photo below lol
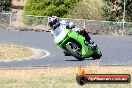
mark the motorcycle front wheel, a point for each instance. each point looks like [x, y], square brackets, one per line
[73, 52]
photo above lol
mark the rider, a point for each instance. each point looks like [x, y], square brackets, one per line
[55, 24]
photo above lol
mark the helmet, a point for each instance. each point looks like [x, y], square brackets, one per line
[53, 21]
[71, 25]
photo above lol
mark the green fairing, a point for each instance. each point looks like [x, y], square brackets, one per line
[67, 36]
[86, 51]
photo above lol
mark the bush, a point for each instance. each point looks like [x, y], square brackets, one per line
[49, 7]
[58, 8]
[113, 10]
[5, 5]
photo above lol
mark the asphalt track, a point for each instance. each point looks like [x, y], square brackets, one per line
[116, 50]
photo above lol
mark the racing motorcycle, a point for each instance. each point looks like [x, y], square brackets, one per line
[74, 43]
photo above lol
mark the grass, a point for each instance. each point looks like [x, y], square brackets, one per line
[57, 77]
[14, 52]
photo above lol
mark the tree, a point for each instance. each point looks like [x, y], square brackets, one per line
[49, 7]
[5, 5]
[113, 10]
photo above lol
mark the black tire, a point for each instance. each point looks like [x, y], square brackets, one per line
[81, 80]
[73, 53]
[97, 54]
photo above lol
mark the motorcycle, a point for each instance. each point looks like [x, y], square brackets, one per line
[74, 43]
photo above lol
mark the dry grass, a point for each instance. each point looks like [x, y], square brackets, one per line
[18, 24]
[19, 2]
[94, 8]
[57, 77]
[14, 51]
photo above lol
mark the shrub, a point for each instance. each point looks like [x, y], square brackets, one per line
[113, 10]
[58, 8]
[5, 5]
[49, 7]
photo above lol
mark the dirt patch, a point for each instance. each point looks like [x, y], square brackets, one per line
[9, 52]
[14, 51]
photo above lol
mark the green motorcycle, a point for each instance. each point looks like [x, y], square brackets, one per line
[74, 43]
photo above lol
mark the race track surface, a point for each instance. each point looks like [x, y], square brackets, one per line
[116, 50]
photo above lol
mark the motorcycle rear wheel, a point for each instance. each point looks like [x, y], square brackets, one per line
[97, 54]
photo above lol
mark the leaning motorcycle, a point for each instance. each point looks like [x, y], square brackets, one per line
[74, 43]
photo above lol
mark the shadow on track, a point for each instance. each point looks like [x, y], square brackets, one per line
[83, 60]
